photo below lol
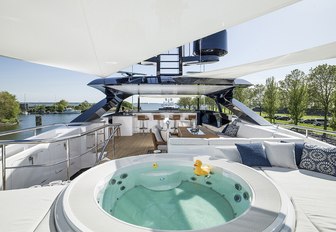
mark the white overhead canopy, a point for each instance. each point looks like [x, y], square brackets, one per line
[323, 52]
[105, 36]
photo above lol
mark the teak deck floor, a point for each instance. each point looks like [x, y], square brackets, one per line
[131, 145]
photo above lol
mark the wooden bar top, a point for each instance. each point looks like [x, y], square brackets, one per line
[184, 133]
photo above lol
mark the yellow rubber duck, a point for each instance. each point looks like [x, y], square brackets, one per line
[201, 170]
[155, 165]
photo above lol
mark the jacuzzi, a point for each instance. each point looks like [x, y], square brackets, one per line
[162, 193]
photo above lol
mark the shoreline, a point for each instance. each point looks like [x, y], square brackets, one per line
[2, 124]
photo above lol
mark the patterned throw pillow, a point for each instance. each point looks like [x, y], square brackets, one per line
[231, 130]
[319, 159]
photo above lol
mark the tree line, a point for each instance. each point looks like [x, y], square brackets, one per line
[296, 93]
[59, 107]
[10, 108]
[190, 103]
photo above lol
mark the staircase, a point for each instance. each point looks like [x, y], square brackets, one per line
[169, 64]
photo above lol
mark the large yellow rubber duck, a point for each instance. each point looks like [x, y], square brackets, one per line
[201, 170]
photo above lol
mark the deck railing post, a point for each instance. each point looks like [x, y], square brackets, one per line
[3, 156]
[105, 130]
[68, 158]
[115, 128]
[96, 144]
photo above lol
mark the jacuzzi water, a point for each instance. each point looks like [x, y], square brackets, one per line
[171, 197]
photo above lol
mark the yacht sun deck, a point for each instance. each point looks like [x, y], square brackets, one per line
[261, 177]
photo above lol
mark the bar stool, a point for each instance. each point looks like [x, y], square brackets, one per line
[174, 117]
[159, 118]
[142, 119]
[190, 118]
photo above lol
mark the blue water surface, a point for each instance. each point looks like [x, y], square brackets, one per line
[27, 121]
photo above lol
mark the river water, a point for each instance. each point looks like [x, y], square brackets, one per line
[27, 121]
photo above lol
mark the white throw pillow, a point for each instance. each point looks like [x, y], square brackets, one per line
[281, 154]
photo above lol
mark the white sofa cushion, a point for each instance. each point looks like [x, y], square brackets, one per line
[281, 154]
[24, 209]
[188, 141]
[213, 128]
[230, 153]
[227, 141]
[188, 146]
[314, 193]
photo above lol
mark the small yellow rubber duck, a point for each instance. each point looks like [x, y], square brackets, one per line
[201, 170]
[155, 165]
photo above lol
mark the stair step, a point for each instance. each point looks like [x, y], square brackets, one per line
[170, 68]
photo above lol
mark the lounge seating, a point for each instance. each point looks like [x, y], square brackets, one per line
[246, 134]
[158, 141]
[245, 131]
[190, 145]
[313, 194]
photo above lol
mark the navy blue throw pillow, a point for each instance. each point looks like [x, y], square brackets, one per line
[298, 151]
[253, 154]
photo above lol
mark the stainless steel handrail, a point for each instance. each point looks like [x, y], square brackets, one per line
[101, 156]
[4, 143]
[34, 141]
[41, 127]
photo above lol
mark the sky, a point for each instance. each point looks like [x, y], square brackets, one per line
[306, 24]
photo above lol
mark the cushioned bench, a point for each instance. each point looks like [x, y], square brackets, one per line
[196, 145]
[313, 194]
[245, 130]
